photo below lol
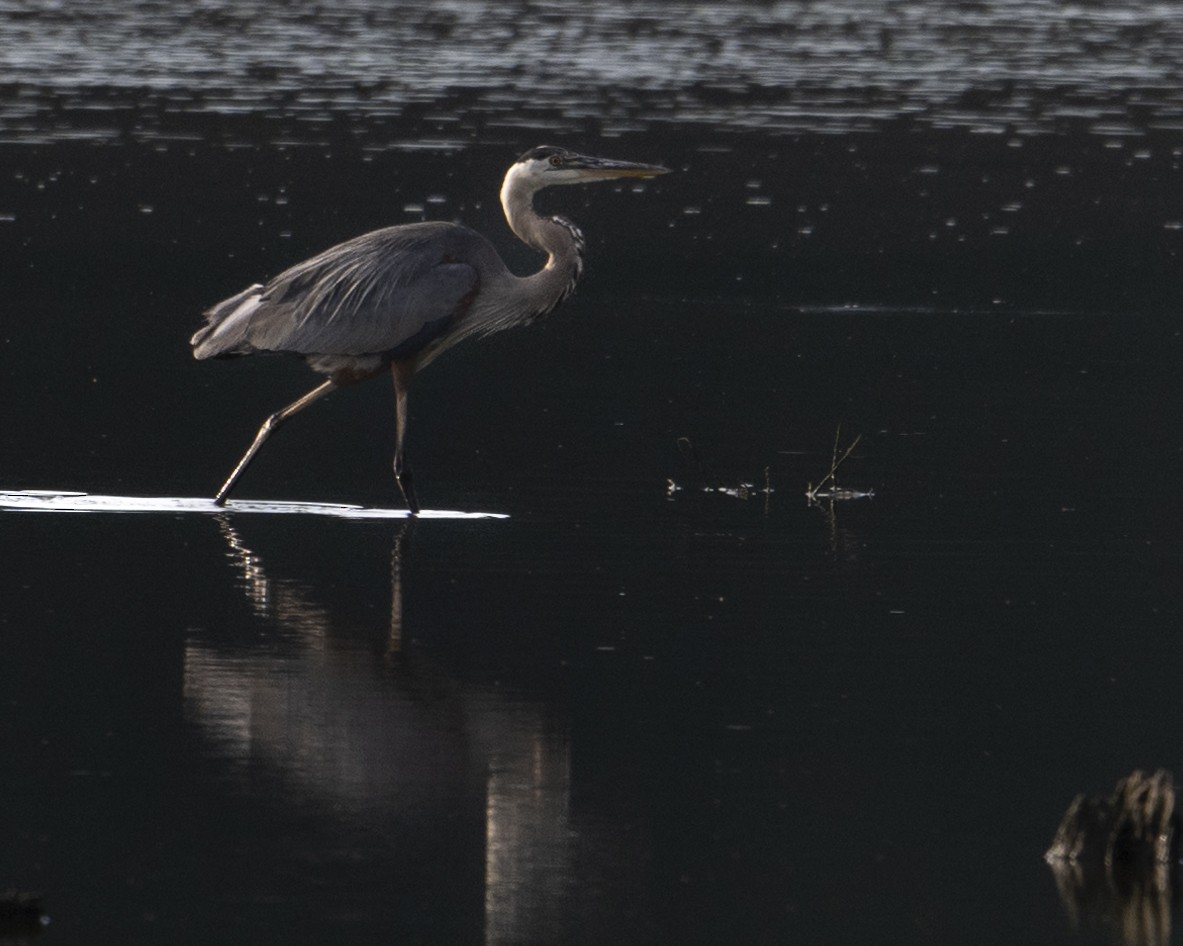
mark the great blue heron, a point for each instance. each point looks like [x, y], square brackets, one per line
[397, 298]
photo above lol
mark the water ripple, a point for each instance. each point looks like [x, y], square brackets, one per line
[1023, 66]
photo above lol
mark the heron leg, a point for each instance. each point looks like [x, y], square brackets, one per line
[269, 425]
[402, 372]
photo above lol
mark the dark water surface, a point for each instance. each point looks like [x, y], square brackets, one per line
[634, 711]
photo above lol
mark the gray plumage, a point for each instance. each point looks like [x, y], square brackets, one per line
[381, 296]
[396, 298]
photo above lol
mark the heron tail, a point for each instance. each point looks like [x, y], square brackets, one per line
[225, 331]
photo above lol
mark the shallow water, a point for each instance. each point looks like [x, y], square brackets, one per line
[666, 699]
[42, 500]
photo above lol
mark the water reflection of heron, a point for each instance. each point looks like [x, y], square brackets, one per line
[396, 298]
[387, 737]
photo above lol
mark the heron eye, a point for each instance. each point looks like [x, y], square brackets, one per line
[556, 161]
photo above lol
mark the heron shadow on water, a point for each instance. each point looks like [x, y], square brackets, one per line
[395, 299]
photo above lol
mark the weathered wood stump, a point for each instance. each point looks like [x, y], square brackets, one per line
[1115, 858]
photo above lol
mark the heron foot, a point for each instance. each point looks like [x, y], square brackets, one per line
[406, 486]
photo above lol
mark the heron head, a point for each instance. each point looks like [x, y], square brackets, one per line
[548, 164]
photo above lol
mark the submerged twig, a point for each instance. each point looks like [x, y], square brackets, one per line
[814, 493]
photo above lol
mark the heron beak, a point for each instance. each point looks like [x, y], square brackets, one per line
[603, 169]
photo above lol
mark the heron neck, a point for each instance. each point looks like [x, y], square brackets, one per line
[557, 237]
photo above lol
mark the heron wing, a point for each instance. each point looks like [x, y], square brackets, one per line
[391, 291]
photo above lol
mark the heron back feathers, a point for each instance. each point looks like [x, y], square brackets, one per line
[391, 293]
